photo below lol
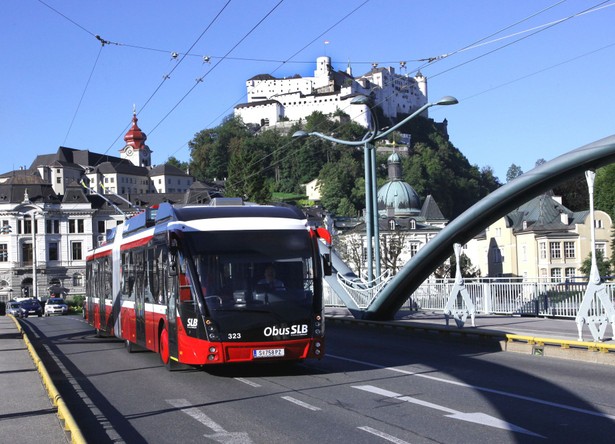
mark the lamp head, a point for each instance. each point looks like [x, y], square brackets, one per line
[300, 135]
[447, 100]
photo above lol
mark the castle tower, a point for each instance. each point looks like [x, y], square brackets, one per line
[136, 150]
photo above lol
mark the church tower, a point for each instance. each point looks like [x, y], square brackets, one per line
[136, 150]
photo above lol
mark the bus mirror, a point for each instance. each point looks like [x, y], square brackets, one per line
[324, 234]
[326, 264]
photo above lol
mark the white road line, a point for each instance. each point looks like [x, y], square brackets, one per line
[475, 417]
[220, 435]
[301, 403]
[195, 413]
[383, 435]
[479, 388]
[248, 382]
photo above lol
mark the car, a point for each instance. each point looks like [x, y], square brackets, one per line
[32, 306]
[14, 308]
[55, 306]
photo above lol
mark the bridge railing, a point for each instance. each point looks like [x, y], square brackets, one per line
[495, 297]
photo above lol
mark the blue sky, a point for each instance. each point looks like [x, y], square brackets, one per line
[534, 78]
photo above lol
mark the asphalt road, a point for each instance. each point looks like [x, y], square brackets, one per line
[375, 385]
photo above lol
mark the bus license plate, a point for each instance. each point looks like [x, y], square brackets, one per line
[268, 353]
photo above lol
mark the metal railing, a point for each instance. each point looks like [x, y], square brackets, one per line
[523, 298]
[493, 296]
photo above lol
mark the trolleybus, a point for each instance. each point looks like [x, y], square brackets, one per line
[188, 282]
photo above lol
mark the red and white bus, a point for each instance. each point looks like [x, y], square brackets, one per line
[188, 282]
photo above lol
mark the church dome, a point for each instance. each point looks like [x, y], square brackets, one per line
[396, 197]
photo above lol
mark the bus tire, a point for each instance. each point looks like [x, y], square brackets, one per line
[129, 346]
[164, 347]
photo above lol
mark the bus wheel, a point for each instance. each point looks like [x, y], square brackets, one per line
[164, 347]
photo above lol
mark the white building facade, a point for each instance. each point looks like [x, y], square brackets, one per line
[272, 100]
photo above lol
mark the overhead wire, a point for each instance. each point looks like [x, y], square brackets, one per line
[167, 76]
[538, 29]
[479, 43]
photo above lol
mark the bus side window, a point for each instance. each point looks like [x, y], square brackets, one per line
[184, 285]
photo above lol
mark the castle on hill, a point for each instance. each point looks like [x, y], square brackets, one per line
[274, 100]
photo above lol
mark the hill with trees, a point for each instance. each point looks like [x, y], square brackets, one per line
[257, 164]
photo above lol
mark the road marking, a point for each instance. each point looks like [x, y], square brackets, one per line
[383, 435]
[220, 435]
[477, 418]
[247, 381]
[301, 403]
[106, 424]
[482, 389]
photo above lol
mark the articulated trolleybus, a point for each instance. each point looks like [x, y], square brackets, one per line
[212, 284]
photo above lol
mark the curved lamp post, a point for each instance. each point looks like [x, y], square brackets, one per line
[371, 185]
[27, 207]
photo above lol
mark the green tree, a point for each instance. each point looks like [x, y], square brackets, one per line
[604, 265]
[340, 186]
[604, 190]
[184, 166]
[246, 178]
[209, 149]
[513, 172]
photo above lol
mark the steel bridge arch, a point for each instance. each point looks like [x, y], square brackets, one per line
[480, 215]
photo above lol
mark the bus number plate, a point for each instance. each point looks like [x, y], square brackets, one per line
[268, 353]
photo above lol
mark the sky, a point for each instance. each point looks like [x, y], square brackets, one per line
[534, 78]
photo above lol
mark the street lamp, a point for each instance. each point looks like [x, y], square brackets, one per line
[371, 185]
[27, 207]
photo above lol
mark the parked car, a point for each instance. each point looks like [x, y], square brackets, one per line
[14, 308]
[32, 306]
[55, 306]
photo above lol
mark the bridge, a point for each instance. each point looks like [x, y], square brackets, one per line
[387, 302]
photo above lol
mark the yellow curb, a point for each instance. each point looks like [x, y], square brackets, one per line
[70, 426]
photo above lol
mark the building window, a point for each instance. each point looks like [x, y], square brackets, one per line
[598, 223]
[52, 251]
[556, 252]
[569, 251]
[414, 248]
[77, 280]
[52, 226]
[556, 274]
[58, 180]
[24, 226]
[570, 273]
[101, 226]
[76, 251]
[601, 247]
[543, 250]
[4, 253]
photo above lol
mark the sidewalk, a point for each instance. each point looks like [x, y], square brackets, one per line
[563, 329]
[26, 412]
[530, 335]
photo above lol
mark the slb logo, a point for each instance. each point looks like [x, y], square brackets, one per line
[192, 322]
[293, 330]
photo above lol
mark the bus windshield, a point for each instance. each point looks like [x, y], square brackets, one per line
[269, 271]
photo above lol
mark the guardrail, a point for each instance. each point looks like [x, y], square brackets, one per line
[523, 298]
[545, 299]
